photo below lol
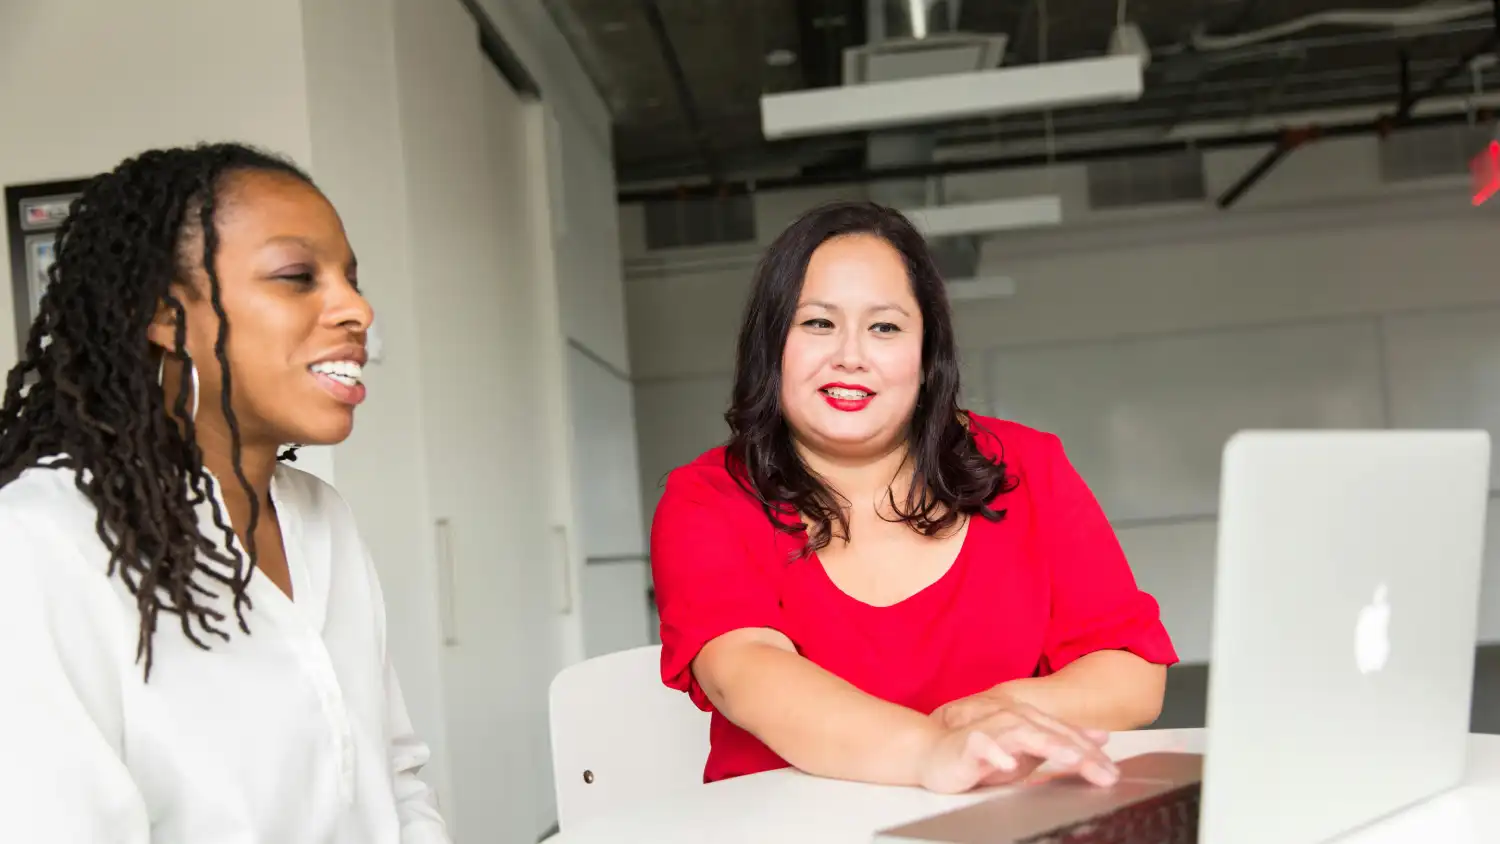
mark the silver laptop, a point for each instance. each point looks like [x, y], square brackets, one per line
[1345, 618]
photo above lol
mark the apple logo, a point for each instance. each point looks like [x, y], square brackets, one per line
[1372, 638]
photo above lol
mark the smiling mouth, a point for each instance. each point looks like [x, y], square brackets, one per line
[346, 372]
[845, 393]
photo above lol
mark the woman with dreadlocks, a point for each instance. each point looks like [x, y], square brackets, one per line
[194, 633]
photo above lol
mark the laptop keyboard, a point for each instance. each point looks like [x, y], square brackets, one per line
[1168, 818]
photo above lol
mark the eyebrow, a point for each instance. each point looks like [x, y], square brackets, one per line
[888, 306]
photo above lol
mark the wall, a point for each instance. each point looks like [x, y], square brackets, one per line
[594, 509]
[474, 298]
[60, 114]
[1144, 338]
[581, 176]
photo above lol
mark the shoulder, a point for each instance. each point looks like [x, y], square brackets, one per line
[44, 503]
[703, 488]
[705, 480]
[52, 552]
[1018, 446]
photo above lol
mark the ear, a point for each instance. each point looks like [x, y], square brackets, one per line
[162, 332]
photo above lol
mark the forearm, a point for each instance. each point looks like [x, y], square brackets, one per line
[1106, 690]
[817, 722]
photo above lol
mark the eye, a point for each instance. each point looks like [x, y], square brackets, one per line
[885, 328]
[818, 323]
[300, 275]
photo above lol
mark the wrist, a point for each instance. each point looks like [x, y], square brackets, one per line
[1025, 690]
[920, 746]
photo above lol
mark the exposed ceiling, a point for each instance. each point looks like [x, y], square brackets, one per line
[683, 77]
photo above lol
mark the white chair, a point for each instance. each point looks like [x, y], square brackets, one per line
[620, 737]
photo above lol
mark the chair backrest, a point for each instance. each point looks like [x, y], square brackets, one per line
[620, 737]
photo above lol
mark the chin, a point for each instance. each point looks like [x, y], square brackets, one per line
[852, 432]
[331, 432]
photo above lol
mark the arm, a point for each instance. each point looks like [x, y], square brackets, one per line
[815, 721]
[1104, 690]
[1104, 661]
[63, 779]
[721, 644]
[1105, 654]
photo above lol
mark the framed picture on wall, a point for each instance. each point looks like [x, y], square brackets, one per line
[33, 214]
[39, 258]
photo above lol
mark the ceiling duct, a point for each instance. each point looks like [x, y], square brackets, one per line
[909, 39]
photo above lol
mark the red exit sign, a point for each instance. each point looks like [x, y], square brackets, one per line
[1485, 168]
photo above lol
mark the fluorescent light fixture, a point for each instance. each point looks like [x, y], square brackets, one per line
[950, 96]
[976, 289]
[917, 11]
[991, 216]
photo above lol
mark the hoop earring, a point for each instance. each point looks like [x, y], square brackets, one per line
[161, 369]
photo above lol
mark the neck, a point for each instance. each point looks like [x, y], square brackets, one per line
[257, 462]
[869, 477]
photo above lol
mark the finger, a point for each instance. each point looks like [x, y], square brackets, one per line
[1099, 774]
[1065, 751]
[1033, 740]
[1025, 767]
[1084, 734]
[985, 749]
[1089, 741]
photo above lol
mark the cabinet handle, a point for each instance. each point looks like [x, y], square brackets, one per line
[447, 580]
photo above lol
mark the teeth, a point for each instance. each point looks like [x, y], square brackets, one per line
[841, 393]
[346, 372]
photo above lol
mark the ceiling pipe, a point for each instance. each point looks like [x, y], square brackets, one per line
[935, 169]
[1383, 125]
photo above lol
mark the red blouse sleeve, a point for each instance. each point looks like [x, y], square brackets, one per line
[706, 582]
[1096, 604]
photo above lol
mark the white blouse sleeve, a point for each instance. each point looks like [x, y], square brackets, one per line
[62, 778]
[416, 803]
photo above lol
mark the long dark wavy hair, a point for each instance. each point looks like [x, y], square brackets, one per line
[951, 478]
[94, 403]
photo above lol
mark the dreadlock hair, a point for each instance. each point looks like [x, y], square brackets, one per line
[95, 405]
[951, 477]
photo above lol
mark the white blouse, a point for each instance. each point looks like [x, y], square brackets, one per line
[294, 734]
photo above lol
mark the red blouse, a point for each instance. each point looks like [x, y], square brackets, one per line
[1026, 595]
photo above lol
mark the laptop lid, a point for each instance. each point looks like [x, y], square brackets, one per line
[1345, 618]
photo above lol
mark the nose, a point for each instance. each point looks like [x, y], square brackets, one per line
[348, 309]
[850, 354]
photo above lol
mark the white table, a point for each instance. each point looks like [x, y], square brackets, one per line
[788, 807]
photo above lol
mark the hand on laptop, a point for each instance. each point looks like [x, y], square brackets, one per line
[1004, 741]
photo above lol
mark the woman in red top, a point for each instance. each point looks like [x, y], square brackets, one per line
[869, 583]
